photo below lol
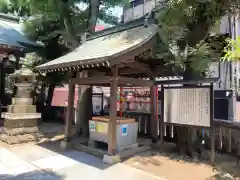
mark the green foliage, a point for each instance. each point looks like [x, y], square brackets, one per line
[4, 6]
[192, 19]
[106, 17]
[18, 7]
[199, 57]
[232, 50]
[44, 22]
[184, 26]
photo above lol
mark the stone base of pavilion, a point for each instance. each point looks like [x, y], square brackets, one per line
[83, 144]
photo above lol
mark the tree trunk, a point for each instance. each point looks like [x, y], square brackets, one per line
[93, 15]
[50, 95]
[40, 99]
[84, 109]
[85, 92]
[65, 12]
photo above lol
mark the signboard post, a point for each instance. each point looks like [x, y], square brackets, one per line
[212, 134]
[190, 106]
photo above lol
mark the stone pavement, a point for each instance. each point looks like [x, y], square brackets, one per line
[46, 162]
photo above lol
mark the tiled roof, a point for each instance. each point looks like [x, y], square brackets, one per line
[104, 48]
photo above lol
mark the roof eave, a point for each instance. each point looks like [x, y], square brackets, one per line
[103, 61]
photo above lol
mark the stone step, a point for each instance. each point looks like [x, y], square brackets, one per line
[21, 109]
[15, 123]
[21, 130]
[20, 116]
[22, 101]
[25, 138]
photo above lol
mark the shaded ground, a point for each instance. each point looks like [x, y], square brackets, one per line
[167, 164]
[46, 161]
[40, 163]
[31, 175]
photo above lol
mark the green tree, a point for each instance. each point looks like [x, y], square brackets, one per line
[18, 7]
[61, 22]
[85, 92]
[232, 50]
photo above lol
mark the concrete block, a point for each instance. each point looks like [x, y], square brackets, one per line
[66, 144]
[21, 109]
[128, 147]
[111, 159]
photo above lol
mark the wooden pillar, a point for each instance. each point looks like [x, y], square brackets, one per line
[70, 112]
[212, 127]
[229, 137]
[154, 115]
[161, 123]
[113, 113]
[121, 102]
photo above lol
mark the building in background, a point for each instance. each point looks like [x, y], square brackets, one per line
[138, 8]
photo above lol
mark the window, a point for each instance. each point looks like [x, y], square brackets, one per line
[135, 3]
[138, 2]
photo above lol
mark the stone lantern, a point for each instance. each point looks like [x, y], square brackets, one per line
[21, 119]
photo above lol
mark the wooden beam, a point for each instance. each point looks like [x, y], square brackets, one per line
[107, 80]
[97, 73]
[228, 124]
[137, 65]
[112, 124]
[143, 68]
[181, 82]
[135, 82]
[92, 80]
[69, 116]
[127, 71]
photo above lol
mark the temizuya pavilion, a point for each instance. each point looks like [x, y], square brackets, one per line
[119, 56]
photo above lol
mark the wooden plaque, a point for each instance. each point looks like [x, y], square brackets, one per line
[187, 106]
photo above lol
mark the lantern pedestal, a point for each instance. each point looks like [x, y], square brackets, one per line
[21, 118]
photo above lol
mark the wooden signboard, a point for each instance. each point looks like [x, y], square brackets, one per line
[187, 106]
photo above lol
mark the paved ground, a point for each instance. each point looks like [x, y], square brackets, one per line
[27, 162]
